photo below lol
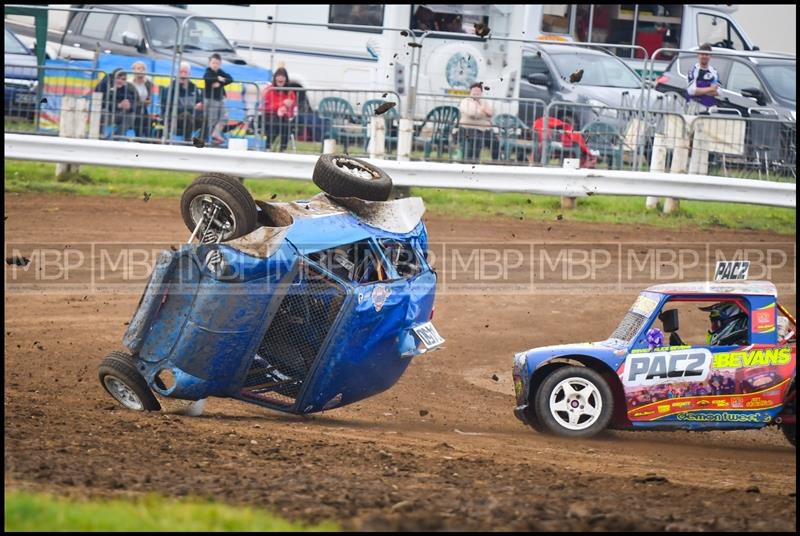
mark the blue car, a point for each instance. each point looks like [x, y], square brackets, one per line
[299, 307]
[731, 364]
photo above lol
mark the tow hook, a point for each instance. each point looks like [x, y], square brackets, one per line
[778, 420]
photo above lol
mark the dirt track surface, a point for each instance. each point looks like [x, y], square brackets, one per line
[440, 450]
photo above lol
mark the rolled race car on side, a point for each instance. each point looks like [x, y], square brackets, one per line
[299, 307]
[742, 376]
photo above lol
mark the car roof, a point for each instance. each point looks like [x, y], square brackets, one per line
[754, 56]
[757, 288]
[144, 8]
[566, 48]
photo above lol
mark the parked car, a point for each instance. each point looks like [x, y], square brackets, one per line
[601, 80]
[756, 87]
[637, 380]
[130, 32]
[21, 78]
[300, 307]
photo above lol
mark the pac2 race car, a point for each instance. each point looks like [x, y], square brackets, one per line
[299, 307]
[738, 374]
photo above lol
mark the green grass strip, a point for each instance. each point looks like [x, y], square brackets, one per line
[37, 177]
[43, 512]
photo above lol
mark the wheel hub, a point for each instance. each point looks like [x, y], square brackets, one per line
[124, 394]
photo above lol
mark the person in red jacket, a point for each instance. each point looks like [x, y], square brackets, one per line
[568, 137]
[280, 106]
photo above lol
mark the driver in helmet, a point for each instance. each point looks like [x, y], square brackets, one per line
[728, 324]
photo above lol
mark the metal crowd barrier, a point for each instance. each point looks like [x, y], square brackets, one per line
[716, 141]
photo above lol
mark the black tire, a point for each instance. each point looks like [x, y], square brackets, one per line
[600, 398]
[334, 174]
[119, 377]
[232, 192]
[790, 433]
[790, 430]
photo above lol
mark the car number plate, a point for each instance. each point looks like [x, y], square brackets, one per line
[428, 335]
[25, 98]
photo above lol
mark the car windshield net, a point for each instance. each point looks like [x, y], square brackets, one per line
[629, 326]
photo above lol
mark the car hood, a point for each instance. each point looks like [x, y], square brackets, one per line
[21, 66]
[610, 96]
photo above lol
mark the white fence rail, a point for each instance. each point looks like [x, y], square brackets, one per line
[536, 180]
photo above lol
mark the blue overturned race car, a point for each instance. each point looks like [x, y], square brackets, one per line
[299, 307]
[729, 363]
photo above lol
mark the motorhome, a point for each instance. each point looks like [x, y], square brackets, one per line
[321, 54]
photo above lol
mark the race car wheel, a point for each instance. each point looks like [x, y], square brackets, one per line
[119, 377]
[790, 430]
[344, 176]
[574, 402]
[216, 204]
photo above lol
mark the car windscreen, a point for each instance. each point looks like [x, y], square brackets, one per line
[635, 318]
[13, 46]
[198, 34]
[598, 70]
[781, 79]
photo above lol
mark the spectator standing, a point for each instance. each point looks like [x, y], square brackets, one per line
[214, 98]
[189, 106]
[703, 79]
[280, 106]
[476, 124]
[144, 93]
[119, 101]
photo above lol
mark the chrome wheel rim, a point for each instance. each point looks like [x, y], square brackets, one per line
[202, 207]
[355, 169]
[122, 393]
[575, 403]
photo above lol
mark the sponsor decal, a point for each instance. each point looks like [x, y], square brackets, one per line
[644, 305]
[753, 358]
[643, 413]
[759, 403]
[703, 402]
[764, 319]
[731, 270]
[379, 296]
[684, 404]
[461, 70]
[661, 349]
[737, 403]
[720, 403]
[721, 416]
[663, 409]
[655, 368]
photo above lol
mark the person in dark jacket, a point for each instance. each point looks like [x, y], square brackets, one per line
[214, 98]
[189, 109]
[119, 101]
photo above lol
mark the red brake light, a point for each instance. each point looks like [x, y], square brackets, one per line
[433, 310]
[663, 79]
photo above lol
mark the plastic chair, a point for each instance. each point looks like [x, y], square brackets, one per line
[441, 121]
[606, 139]
[513, 135]
[342, 124]
[389, 117]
